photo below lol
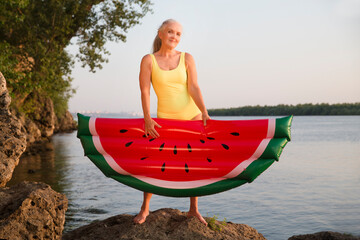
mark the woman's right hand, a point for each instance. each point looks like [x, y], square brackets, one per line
[150, 125]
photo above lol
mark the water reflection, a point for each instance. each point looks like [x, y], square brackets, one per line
[44, 167]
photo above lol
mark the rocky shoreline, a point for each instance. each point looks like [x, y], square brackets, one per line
[32, 210]
[28, 210]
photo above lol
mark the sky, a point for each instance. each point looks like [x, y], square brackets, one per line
[257, 52]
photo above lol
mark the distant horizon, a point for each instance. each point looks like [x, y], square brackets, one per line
[134, 113]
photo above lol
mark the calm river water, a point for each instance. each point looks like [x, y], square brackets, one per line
[314, 187]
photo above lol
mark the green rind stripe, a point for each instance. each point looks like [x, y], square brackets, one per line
[83, 125]
[274, 148]
[283, 126]
[101, 163]
[255, 169]
[88, 145]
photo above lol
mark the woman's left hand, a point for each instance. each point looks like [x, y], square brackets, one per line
[205, 116]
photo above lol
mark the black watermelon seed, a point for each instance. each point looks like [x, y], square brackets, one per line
[163, 167]
[128, 144]
[210, 138]
[225, 146]
[202, 141]
[152, 139]
[161, 147]
[144, 136]
[143, 158]
[209, 160]
[123, 130]
[186, 168]
[235, 133]
[175, 150]
[189, 148]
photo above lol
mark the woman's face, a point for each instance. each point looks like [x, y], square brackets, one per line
[170, 35]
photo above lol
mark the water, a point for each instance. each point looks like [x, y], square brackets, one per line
[314, 187]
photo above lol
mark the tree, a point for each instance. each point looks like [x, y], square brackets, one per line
[34, 35]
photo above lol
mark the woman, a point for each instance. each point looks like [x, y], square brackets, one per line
[174, 78]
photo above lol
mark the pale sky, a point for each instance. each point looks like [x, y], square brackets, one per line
[258, 52]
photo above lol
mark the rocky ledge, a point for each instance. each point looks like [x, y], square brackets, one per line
[31, 211]
[162, 224]
[12, 136]
[28, 210]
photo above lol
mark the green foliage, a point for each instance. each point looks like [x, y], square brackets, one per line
[8, 64]
[110, 20]
[284, 110]
[214, 224]
[34, 35]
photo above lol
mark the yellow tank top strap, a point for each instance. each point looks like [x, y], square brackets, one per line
[182, 59]
[154, 60]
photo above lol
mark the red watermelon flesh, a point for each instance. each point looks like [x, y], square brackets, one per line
[183, 152]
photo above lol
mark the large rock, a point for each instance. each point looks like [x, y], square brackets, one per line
[65, 124]
[161, 224]
[33, 133]
[12, 136]
[327, 235]
[31, 211]
[42, 114]
[5, 99]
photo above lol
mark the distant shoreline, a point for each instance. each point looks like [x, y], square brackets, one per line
[309, 109]
[322, 109]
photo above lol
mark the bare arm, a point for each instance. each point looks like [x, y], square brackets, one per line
[145, 85]
[193, 86]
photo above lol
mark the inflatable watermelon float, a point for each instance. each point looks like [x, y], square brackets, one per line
[188, 159]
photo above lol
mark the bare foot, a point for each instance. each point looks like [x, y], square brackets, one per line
[141, 217]
[198, 215]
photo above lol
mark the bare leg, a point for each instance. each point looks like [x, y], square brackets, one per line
[194, 211]
[144, 211]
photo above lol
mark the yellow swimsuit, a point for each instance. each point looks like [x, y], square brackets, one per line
[171, 89]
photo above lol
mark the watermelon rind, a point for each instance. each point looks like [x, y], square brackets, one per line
[283, 127]
[271, 153]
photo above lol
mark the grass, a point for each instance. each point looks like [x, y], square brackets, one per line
[213, 225]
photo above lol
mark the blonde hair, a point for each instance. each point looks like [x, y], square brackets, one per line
[157, 40]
